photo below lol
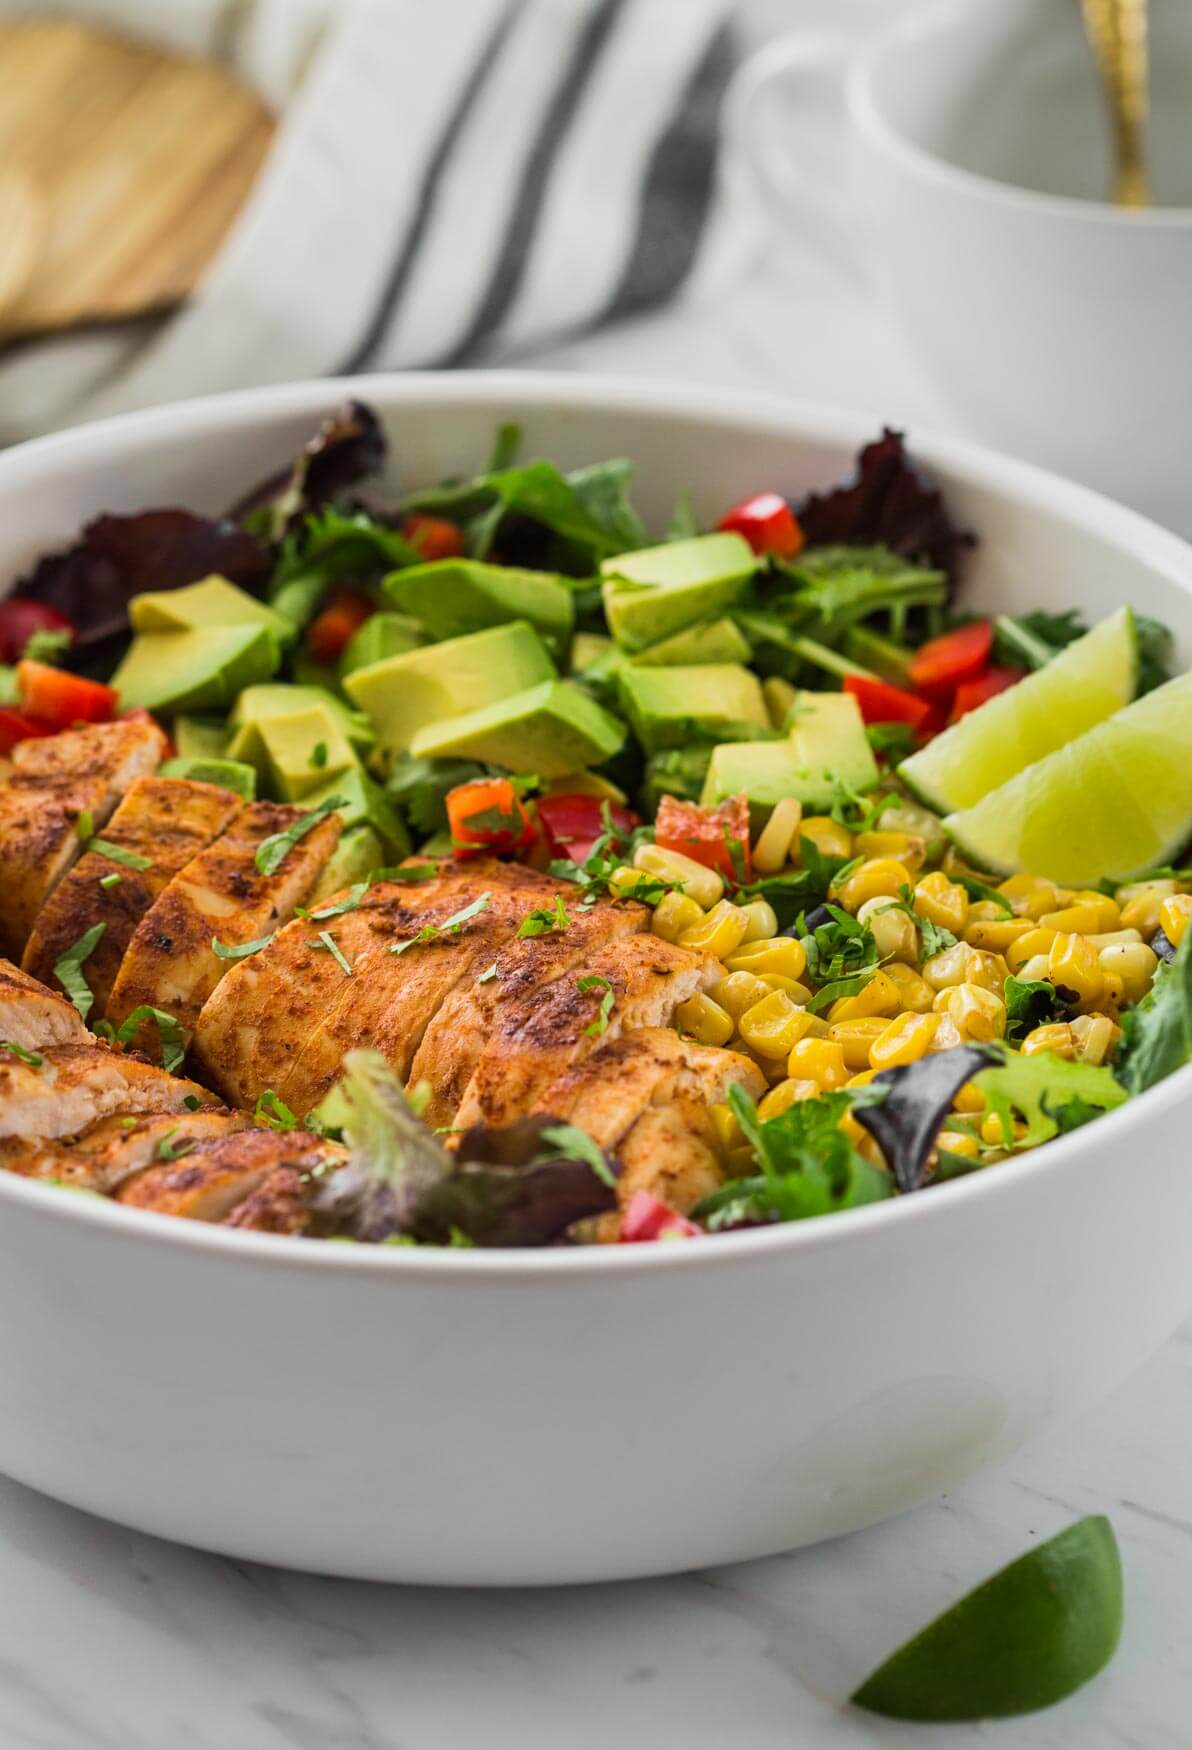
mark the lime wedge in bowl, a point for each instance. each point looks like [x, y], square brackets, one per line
[1090, 680]
[1027, 1637]
[1109, 806]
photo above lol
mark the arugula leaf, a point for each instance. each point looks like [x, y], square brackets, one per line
[808, 1167]
[169, 1031]
[1156, 653]
[19, 1051]
[328, 546]
[118, 854]
[272, 1111]
[575, 1144]
[68, 969]
[273, 851]
[1157, 1032]
[167, 1150]
[1035, 638]
[240, 950]
[544, 919]
[1030, 1003]
[596, 981]
[589, 509]
[1039, 1087]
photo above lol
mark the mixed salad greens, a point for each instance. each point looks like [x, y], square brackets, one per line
[940, 855]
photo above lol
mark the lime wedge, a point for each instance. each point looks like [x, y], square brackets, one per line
[1111, 805]
[1028, 1637]
[1094, 677]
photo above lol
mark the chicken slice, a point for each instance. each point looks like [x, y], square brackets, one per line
[55, 783]
[32, 1016]
[170, 963]
[164, 820]
[75, 1085]
[537, 1039]
[671, 1152]
[221, 1174]
[114, 1148]
[455, 1039]
[284, 1018]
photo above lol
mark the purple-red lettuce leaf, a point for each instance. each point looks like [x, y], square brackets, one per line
[888, 504]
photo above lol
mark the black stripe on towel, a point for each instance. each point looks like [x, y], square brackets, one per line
[399, 274]
[515, 250]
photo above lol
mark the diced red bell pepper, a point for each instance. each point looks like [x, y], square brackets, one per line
[434, 537]
[940, 665]
[882, 703]
[970, 694]
[20, 619]
[15, 726]
[767, 523]
[648, 1218]
[573, 823]
[717, 837]
[329, 632]
[488, 818]
[60, 698]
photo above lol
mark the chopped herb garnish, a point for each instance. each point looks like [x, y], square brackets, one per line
[449, 926]
[544, 919]
[577, 1145]
[328, 942]
[68, 969]
[47, 645]
[980, 890]
[593, 982]
[85, 825]
[169, 1029]
[934, 937]
[29, 1057]
[192, 1102]
[409, 872]
[240, 950]
[167, 1150]
[855, 809]
[842, 956]
[109, 881]
[272, 1110]
[736, 856]
[273, 851]
[318, 754]
[118, 854]
[485, 976]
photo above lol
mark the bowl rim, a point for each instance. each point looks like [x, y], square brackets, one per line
[759, 414]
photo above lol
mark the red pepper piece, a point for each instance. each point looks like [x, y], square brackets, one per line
[767, 523]
[434, 537]
[20, 619]
[970, 694]
[882, 703]
[717, 837]
[61, 699]
[488, 818]
[573, 823]
[329, 632]
[16, 726]
[649, 1218]
[941, 664]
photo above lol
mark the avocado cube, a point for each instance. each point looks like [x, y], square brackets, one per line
[589, 648]
[228, 774]
[212, 602]
[200, 670]
[382, 635]
[764, 771]
[356, 856]
[711, 641]
[657, 591]
[298, 753]
[405, 694]
[200, 737]
[668, 706]
[780, 699]
[826, 745]
[452, 597]
[549, 729]
[362, 802]
[281, 699]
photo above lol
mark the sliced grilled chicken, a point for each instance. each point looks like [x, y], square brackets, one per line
[161, 823]
[542, 1036]
[54, 784]
[115, 1148]
[284, 1018]
[215, 1180]
[455, 1039]
[671, 1151]
[170, 963]
[75, 1085]
[32, 1016]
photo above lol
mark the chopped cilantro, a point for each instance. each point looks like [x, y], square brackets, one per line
[575, 1144]
[85, 825]
[271, 1110]
[240, 950]
[118, 854]
[979, 890]
[449, 926]
[485, 976]
[273, 851]
[109, 881]
[318, 754]
[29, 1057]
[167, 1150]
[328, 943]
[68, 969]
[596, 981]
[544, 919]
[169, 1030]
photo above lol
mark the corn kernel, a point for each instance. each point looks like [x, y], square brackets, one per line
[992, 1131]
[624, 879]
[878, 997]
[958, 1142]
[776, 838]
[1033, 970]
[1141, 902]
[997, 934]
[862, 1078]
[892, 928]
[977, 1013]
[905, 1039]
[856, 1133]
[969, 1098]
[1134, 963]
[912, 818]
[820, 1061]
[1094, 1037]
[798, 993]
[1082, 918]
[720, 932]
[673, 914]
[784, 954]
[1113, 938]
[946, 1036]
[909, 849]
[763, 921]
[1174, 914]
[727, 1131]
[772, 1026]
[913, 991]
[1113, 997]
[827, 835]
[1055, 1036]
[1073, 963]
[704, 1020]
[879, 878]
[856, 1039]
[945, 902]
[698, 883]
[1029, 896]
[1035, 941]
[786, 1094]
[738, 991]
[948, 968]
[779, 696]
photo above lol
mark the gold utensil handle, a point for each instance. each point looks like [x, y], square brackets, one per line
[1117, 30]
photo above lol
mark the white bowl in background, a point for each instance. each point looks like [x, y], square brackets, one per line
[498, 1418]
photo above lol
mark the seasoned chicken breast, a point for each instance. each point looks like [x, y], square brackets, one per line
[284, 1018]
[160, 825]
[32, 1016]
[115, 1148]
[220, 1174]
[221, 894]
[538, 1039]
[55, 784]
[671, 1151]
[75, 1085]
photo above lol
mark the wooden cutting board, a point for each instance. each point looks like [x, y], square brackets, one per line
[125, 165]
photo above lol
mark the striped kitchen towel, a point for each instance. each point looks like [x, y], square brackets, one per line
[454, 181]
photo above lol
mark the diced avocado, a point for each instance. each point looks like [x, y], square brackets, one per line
[780, 698]
[452, 597]
[299, 752]
[364, 803]
[667, 706]
[881, 656]
[549, 729]
[827, 732]
[764, 771]
[354, 858]
[657, 591]
[282, 699]
[212, 602]
[202, 738]
[228, 774]
[711, 641]
[405, 694]
[588, 648]
[382, 635]
[200, 670]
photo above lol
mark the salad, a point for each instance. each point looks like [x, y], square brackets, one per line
[501, 872]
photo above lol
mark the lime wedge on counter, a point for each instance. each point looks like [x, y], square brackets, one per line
[1111, 805]
[1094, 677]
[1024, 1639]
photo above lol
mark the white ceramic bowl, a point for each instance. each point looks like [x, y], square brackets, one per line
[532, 1417]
